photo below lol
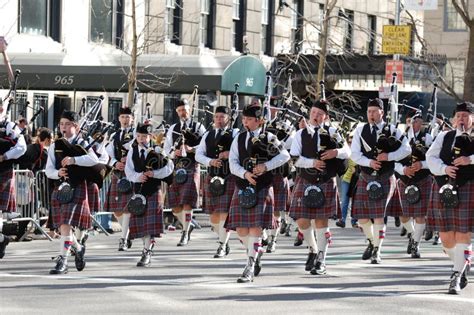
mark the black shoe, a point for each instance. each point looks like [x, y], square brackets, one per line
[248, 274]
[310, 261]
[191, 229]
[397, 221]
[129, 244]
[271, 247]
[341, 224]
[455, 284]
[299, 240]
[403, 232]
[258, 264]
[3, 246]
[415, 250]
[220, 251]
[184, 239]
[79, 259]
[428, 235]
[61, 266]
[436, 240]
[283, 227]
[265, 242]
[464, 279]
[410, 243]
[227, 249]
[122, 245]
[146, 259]
[368, 251]
[375, 259]
[319, 269]
[110, 231]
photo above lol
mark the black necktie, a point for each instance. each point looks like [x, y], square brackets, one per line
[124, 131]
[142, 156]
[249, 141]
[316, 137]
[374, 132]
[219, 133]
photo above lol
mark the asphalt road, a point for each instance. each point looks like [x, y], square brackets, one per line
[188, 280]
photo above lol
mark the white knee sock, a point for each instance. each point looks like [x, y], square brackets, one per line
[75, 242]
[125, 225]
[409, 226]
[65, 246]
[2, 238]
[323, 239]
[223, 233]
[309, 239]
[148, 242]
[188, 215]
[274, 232]
[368, 231]
[379, 230]
[180, 217]
[254, 245]
[215, 228]
[419, 228]
[244, 240]
[462, 256]
[449, 252]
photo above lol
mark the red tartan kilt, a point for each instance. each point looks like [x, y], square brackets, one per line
[7, 191]
[329, 209]
[116, 201]
[394, 208]
[259, 216]
[93, 196]
[460, 219]
[186, 193]
[219, 203]
[362, 207]
[76, 213]
[419, 209]
[151, 223]
[281, 190]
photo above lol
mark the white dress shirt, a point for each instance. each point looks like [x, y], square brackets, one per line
[110, 148]
[135, 176]
[399, 168]
[239, 170]
[360, 159]
[435, 164]
[304, 162]
[89, 159]
[201, 150]
[168, 146]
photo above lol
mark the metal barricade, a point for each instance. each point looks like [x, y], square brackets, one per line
[103, 194]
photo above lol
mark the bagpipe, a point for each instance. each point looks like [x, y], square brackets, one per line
[7, 139]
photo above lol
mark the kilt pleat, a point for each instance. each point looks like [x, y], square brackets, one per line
[220, 203]
[281, 190]
[363, 207]
[259, 216]
[459, 219]
[329, 209]
[151, 223]
[186, 193]
[116, 201]
[420, 208]
[76, 213]
[7, 191]
[93, 197]
[394, 207]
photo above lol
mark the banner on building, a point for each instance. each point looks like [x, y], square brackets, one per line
[421, 5]
[396, 39]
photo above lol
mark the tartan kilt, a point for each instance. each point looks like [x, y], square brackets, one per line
[76, 213]
[221, 203]
[394, 208]
[419, 209]
[7, 191]
[329, 209]
[151, 223]
[460, 219]
[362, 207]
[259, 216]
[281, 190]
[116, 201]
[93, 197]
[186, 193]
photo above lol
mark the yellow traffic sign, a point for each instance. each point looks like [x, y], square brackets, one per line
[396, 39]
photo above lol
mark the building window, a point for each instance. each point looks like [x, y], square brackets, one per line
[40, 100]
[391, 22]
[19, 108]
[115, 103]
[206, 25]
[238, 24]
[40, 17]
[106, 22]
[169, 108]
[297, 15]
[268, 6]
[347, 17]
[453, 21]
[173, 18]
[372, 25]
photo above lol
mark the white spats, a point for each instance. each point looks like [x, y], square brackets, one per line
[309, 239]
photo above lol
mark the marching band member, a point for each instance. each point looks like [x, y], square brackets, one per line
[147, 181]
[119, 195]
[213, 152]
[415, 182]
[180, 145]
[253, 155]
[12, 146]
[69, 213]
[451, 160]
[320, 152]
[375, 154]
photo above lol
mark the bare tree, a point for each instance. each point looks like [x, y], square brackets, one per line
[324, 33]
[132, 74]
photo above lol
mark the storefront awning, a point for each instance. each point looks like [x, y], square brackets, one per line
[156, 73]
